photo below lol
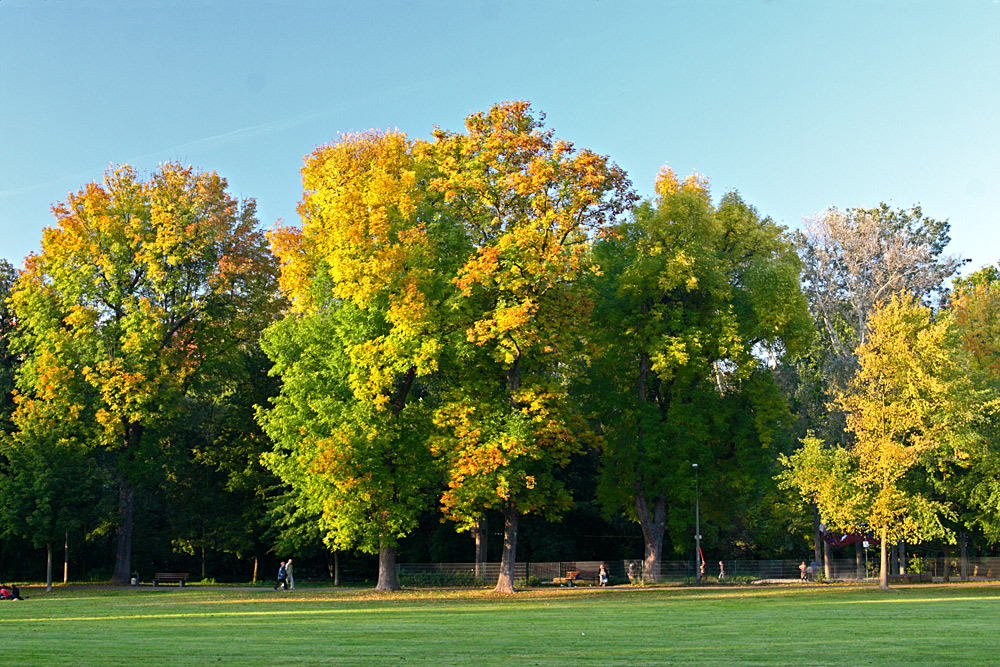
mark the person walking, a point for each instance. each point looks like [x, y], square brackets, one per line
[603, 575]
[802, 571]
[289, 579]
[282, 577]
[722, 572]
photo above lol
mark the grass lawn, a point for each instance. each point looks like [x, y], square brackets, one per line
[955, 625]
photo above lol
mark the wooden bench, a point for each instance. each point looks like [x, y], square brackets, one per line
[171, 578]
[577, 576]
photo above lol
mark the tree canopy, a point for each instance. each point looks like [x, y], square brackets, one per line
[143, 292]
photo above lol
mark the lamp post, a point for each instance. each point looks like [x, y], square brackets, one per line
[697, 529]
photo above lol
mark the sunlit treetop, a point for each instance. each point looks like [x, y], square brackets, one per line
[364, 240]
[148, 280]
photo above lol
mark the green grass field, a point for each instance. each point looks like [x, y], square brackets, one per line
[954, 625]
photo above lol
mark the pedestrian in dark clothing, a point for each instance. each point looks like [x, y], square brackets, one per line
[282, 577]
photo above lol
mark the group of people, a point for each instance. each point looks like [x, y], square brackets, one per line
[701, 571]
[285, 578]
[808, 572]
[10, 592]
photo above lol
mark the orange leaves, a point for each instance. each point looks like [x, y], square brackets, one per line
[528, 201]
[139, 283]
[977, 313]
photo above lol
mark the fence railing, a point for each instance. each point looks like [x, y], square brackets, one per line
[633, 571]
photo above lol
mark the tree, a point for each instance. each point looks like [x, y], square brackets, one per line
[143, 292]
[855, 259]
[50, 484]
[8, 361]
[365, 274]
[696, 300]
[217, 491]
[852, 260]
[529, 204]
[968, 478]
[905, 407]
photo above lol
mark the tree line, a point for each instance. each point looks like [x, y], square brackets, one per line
[486, 324]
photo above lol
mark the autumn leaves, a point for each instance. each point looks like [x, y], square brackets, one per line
[450, 270]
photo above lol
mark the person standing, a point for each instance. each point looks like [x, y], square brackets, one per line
[722, 572]
[603, 575]
[289, 578]
[802, 571]
[282, 577]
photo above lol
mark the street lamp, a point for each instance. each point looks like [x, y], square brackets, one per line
[697, 529]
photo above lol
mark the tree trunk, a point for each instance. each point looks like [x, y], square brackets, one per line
[859, 560]
[826, 561]
[652, 533]
[123, 550]
[336, 568]
[256, 564]
[388, 581]
[48, 567]
[126, 506]
[480, 535]
[946, 575]
[902, 557]
[963, 541]
[883, 575]
[514, 383]
[817, 537]
[505, 582]
[66, 559]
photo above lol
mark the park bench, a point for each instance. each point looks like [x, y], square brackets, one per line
[171, 578]
[577, 576]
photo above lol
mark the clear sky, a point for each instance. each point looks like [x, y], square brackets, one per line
[799, 105]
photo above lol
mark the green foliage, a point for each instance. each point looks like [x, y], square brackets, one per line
[145, 293]
[526, 202]
[365, 473]
[908, 408]
[8, 360]
[365, 274]
[49, 486]
[852, 261]
[693, 304]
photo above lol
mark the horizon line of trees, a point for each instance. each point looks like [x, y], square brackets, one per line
[493, 324]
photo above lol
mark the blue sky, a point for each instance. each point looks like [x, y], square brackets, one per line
[799, 105]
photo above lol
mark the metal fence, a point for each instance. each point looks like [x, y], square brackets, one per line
[744, 571]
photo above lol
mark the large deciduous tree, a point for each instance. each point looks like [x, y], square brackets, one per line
[970, 477]
[366, 274]
[696, 301]
[906, 407]
[855, 259]
[143, 291]
[529, 205]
